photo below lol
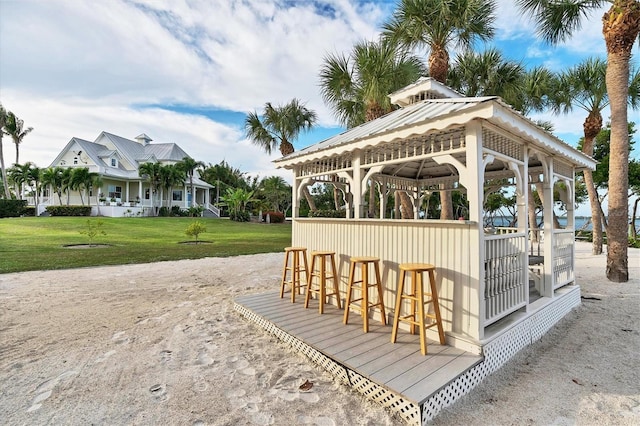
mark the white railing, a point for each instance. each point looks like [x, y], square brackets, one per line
[505, 275]
[563, 253]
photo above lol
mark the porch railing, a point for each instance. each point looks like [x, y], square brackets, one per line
[563, 250]
[505, 270]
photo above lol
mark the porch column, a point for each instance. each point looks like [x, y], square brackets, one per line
[295, 202]
[186, 197]
[127, 192]
[547, 205]
[356, 191]
[384, 193]
[140, 193]
[474, 179]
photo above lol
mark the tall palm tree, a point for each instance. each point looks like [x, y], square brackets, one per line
[19, 175]
[170, 176]
[151, 173]
[356, 87]
[276, 193]
[556, 22]
[586, 88]
[96, 187]
[487, 73]
[80, 181]
[67, 182]
[34, 177]
[189, 166]
[15, 128]
[439, 25]
[279, 127]
[53, 176]
[3, 122]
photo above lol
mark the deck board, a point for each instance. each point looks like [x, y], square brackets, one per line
[399, 367]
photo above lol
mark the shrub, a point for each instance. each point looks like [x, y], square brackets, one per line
[12, 208]
[327, 213]
[164, 212]
[193, 211]
[69, 210]
[275, 217]
[29, 211]
[93, 229]
[239, 216]
[195, 229]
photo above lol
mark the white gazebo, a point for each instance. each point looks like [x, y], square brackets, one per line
[498, 291]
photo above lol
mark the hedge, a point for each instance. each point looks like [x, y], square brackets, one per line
[69, 210]
[12, 208]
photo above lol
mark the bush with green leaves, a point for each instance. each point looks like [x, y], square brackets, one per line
[195, 228]
[12, 208]
[69, 210]
[93, 229]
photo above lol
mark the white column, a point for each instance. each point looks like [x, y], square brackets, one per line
[547, 202]
[295, 202]
[356, 191]
[474, 181]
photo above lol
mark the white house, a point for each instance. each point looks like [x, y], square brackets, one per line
[117, 161]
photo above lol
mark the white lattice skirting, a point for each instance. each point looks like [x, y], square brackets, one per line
[496, 354]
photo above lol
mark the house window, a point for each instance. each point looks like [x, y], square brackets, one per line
[115, 191]
[177, 195]
[114, 162]
[146, 194]
[75, 160]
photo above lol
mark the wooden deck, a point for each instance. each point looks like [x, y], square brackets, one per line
[400, 368]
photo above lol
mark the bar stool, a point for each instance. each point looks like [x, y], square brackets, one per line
[295, 268]
[325, 259]
[364, 286]
[417, 296]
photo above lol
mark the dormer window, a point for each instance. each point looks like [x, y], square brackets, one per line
[114, 162]
[75, 160]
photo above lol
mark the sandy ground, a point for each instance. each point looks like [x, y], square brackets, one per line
[160, 344]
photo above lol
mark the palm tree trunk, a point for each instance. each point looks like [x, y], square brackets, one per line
[407, 205]
[596, 215]
[309, 198]
[5, 184]
[621, 25]
[617, 243]
[446, 205]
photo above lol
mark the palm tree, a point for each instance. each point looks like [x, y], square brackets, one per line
[556, 22]
[584, 86]
[19, 175]
[170, 176]
[279, 127]
[96, 187]
[487, 73]
[440, 25]
[53, 176]
[34, 177]
[15, 128]
[81, 180]
[189, 166]
[276, 193]
[151, 173]
[3, 122]
[356, 87]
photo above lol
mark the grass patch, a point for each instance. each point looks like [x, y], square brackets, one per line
[37, 243]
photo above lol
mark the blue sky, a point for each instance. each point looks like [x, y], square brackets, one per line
[188, 72]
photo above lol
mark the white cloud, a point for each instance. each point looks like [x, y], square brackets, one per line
[77, 68]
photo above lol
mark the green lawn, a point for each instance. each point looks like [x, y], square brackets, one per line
[32, 243]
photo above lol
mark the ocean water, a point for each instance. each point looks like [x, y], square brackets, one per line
[579, 222]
